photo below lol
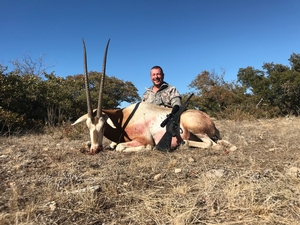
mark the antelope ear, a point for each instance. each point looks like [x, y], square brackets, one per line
[80, 119]
[109, 121]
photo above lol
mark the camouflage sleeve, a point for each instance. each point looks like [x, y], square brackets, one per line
[175, 97]
[170, 97]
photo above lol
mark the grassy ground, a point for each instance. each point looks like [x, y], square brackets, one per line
[45, 179]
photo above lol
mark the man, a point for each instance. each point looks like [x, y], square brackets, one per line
[161, 93]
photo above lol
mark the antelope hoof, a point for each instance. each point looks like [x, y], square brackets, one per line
[98, 149]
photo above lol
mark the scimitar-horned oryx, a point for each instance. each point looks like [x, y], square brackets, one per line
[137, 126]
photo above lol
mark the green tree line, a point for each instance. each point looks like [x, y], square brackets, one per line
[30, 97]
[29, 100]
[269, 92]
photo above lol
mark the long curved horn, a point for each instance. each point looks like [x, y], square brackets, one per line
[87, 89]
[99, 109]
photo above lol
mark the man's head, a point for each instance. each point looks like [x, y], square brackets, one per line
[157, 76]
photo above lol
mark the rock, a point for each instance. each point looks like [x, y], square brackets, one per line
[177, 170]
[293, 172]
[214, 173]
[191, 159]
[92, 188]
[51, 205]
[157, 176]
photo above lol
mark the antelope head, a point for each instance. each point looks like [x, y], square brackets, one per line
[95, 119]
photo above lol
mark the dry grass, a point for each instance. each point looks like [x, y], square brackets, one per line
[45, 179]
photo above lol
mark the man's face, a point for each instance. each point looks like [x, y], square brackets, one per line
[157, 77]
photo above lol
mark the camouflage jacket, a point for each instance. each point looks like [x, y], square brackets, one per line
[167, 96]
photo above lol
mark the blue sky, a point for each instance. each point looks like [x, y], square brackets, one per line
[184, 37]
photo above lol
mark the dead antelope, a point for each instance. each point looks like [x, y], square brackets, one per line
[138, 125]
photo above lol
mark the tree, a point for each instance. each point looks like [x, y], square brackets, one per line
[22, 97]
[115, 90]
[214, 94]
[58, 100]
[29, 96]
[28, 66]
[278, 85]
[295, 62]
